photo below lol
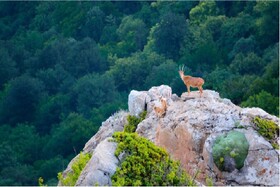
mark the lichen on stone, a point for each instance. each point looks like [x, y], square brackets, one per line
[230, 151]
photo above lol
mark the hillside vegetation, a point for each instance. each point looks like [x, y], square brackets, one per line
[67, 66]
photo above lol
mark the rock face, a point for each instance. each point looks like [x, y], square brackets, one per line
[188, 132]
[101, 166]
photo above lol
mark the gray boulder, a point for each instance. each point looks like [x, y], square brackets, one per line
[138, 101]
[101, 166]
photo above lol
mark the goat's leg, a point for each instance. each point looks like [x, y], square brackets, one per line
[188, 87]
[200, 90]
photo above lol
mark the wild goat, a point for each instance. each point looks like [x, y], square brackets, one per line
[189, 81]
[160, 111]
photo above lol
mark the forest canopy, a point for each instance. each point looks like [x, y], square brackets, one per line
[67, 66]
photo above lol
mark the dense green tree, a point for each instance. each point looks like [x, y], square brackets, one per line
[8, 68]
[180, 7]
[55, 79]
[54, 53]
[43, 19]
[20, 99]
[233, 29]
[131, 72]
[109, 33]
[202, 11]
[133, 35]
[69, 137]
[84, 57]
[269, 80]
[162, 74]
[93, 91]
[264, 100]
[17, 15]
[204, 58]
[128, 7]
[50, 111]
[216, 79]
[19, 175]
[32, 41]
[267, 22]
[233, 8]
[48, 169]
[7, 155]
[148, 13]
[236, 87]
[247, 64]
[93, 24]
[244, 45]
[68, 16]
[200, 52]
[26, 143]
[169, 35]
[213, 26]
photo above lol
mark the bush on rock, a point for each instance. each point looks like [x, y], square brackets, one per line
[145, 164]
[133, 121]
[230, 151]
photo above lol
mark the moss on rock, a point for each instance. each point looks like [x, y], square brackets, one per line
[230, 151]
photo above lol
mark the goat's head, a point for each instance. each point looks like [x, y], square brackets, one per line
[162, 99]
[181, 70]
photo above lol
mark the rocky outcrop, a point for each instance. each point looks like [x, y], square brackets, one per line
[190, 127]
[188, 132]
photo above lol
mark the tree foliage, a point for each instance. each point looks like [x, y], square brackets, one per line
[169, 35]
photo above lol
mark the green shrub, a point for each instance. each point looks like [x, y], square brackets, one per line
[133, 121]
[146, 164]
[77, 168]
[41, 181]
[234, 146]
[267, 129]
